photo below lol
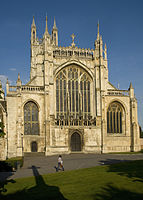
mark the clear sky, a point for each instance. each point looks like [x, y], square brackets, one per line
[121, 27]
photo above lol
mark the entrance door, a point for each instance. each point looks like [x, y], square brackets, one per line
[34, 147]
[75, 142]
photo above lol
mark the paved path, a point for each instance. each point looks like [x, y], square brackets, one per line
[46, 165]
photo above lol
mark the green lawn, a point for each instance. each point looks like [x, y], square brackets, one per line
[122, 181]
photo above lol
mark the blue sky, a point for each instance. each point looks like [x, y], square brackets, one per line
[120, 26]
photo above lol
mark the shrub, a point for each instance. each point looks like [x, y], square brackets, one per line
[10, 164]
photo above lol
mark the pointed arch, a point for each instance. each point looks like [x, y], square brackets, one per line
[31, 118]
[78, 64]
[73, 95]
[115, 118]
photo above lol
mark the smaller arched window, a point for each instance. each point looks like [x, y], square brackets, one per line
[115, 115]
[31, 119]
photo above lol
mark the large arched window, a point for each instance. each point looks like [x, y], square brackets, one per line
[31, 121]
[115, 118]
[73, 85]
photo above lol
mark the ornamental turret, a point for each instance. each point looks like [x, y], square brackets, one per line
[46, 36]
[55, 34]
[33, 32]
[19, 82]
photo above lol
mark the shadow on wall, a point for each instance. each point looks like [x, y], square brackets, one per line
[40, 191]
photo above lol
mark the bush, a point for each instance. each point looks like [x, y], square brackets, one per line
[5, 167]
[10, 164]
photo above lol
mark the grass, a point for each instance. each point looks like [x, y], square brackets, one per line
[118, 181]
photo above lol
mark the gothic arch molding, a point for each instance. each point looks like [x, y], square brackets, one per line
[120, 102]
[31, 118]
[116, 118]
[76, 132]
[31, 100]
[78, 64]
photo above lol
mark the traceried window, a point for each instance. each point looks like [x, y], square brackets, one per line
[73, 85]
[31, 121]
[115, 115]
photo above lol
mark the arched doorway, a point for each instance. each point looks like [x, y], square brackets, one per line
[75, 142]
[34, 146]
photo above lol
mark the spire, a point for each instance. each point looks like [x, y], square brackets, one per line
[33, 31]
[7, 81]
[19, 80]
[105, 52]
[46, 29]
[131, 91]
[55, 34]
[98, 35]
[131, 87]
[18, 76]
[33, 23]
[54, 27]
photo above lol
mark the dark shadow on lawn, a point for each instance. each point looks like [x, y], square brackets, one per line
[131, 169]
[41, 191]
[112, 193]
[3, 180]
[111, 161]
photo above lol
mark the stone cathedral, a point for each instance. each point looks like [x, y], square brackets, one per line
[68, 105]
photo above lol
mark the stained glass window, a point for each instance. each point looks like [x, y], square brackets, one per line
[114, 118]
[73, 93]
[31, 122]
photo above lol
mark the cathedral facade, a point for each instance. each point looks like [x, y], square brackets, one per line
[68, 105]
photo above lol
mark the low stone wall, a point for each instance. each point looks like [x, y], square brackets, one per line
[141, 142]
[2, 149]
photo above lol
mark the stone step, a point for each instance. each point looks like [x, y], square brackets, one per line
[34, 154]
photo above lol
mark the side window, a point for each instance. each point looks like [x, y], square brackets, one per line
[115, 114]
[31, 119]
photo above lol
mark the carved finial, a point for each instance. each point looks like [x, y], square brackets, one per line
[18, 76]
[54, 27]
[7, 81]
[105, 52]
[19, 80]
[33, 22]
[131, 87]
[73, 36]
[46, 29]
[98, 35]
